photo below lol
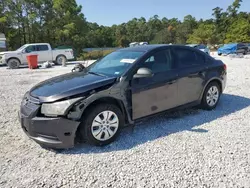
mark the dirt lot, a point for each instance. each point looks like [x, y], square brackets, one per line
[190, 148]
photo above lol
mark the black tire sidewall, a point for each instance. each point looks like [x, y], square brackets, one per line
[10, 64]
[204, 103]
[85, 129]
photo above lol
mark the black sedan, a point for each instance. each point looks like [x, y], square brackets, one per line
[124, 87]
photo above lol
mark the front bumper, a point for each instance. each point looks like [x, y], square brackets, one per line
[56, 132]
[2, 61]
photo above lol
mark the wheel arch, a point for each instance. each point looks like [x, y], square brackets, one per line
[101, 100]
[13, 58]
[217, 80]
[107, 100]
[61, 55]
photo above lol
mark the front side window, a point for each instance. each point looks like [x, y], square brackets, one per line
[187, 58]
[30, 49]
[116, 63]
[161, 61]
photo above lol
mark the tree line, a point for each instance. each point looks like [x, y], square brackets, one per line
[62, 22]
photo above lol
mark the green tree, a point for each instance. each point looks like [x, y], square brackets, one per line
[239, 31]
[203, 34]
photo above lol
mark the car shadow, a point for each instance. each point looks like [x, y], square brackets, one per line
[165, 125]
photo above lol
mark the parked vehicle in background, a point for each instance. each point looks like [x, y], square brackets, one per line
[233, 48]
[118, 90]
[133, 44]
[3, 45]
[201, 47]
[44, 51]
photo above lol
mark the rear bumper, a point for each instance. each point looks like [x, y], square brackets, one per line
[56, 133]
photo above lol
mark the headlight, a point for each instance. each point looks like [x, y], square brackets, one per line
[58, 108]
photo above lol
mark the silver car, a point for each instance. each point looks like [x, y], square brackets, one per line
[201, 47]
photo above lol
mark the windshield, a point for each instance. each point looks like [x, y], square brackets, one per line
[116, 63]
[22, 47]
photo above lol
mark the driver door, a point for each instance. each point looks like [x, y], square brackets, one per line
[27, 51]
[157, 93]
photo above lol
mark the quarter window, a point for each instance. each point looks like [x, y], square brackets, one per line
[187, 58]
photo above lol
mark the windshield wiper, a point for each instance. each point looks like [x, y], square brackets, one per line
[95, 73]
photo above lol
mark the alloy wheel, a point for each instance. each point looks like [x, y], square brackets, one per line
[105, 125]
[212, 96]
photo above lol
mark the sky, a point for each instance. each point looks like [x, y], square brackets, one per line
[109, 12]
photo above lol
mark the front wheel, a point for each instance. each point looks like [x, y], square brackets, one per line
[102, 124]
[13, 63]
[211, 96]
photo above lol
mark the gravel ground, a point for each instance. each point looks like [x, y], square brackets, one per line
[190, 148]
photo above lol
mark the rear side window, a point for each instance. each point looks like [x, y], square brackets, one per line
[187, 58]
[42, 48]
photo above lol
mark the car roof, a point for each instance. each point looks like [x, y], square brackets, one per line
[147, 48]
[38, 44]
[192, 45]
[144, 47]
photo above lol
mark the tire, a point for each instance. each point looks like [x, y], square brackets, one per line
[219, 54]
[13, 63]
[61, 60]
[94, 129]
[213, 90]
[245, 52]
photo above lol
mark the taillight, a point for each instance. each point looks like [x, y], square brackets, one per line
[225, 67]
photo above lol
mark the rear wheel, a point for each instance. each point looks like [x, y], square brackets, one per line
[61, 60]
[13, 63]
[102, 124]
[211, 96]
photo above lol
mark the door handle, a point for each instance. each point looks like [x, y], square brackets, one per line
[201, 73]
[171, 82]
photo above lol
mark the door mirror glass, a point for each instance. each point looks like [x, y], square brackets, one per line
[143, 73]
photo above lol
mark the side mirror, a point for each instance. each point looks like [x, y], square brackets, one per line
[143, 73]
[26, 51]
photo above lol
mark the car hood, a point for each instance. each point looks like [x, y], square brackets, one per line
[68, 85]
[8, 52]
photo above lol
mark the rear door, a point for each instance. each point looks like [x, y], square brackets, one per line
[44, 54]
[191, 74]
[157, 93]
